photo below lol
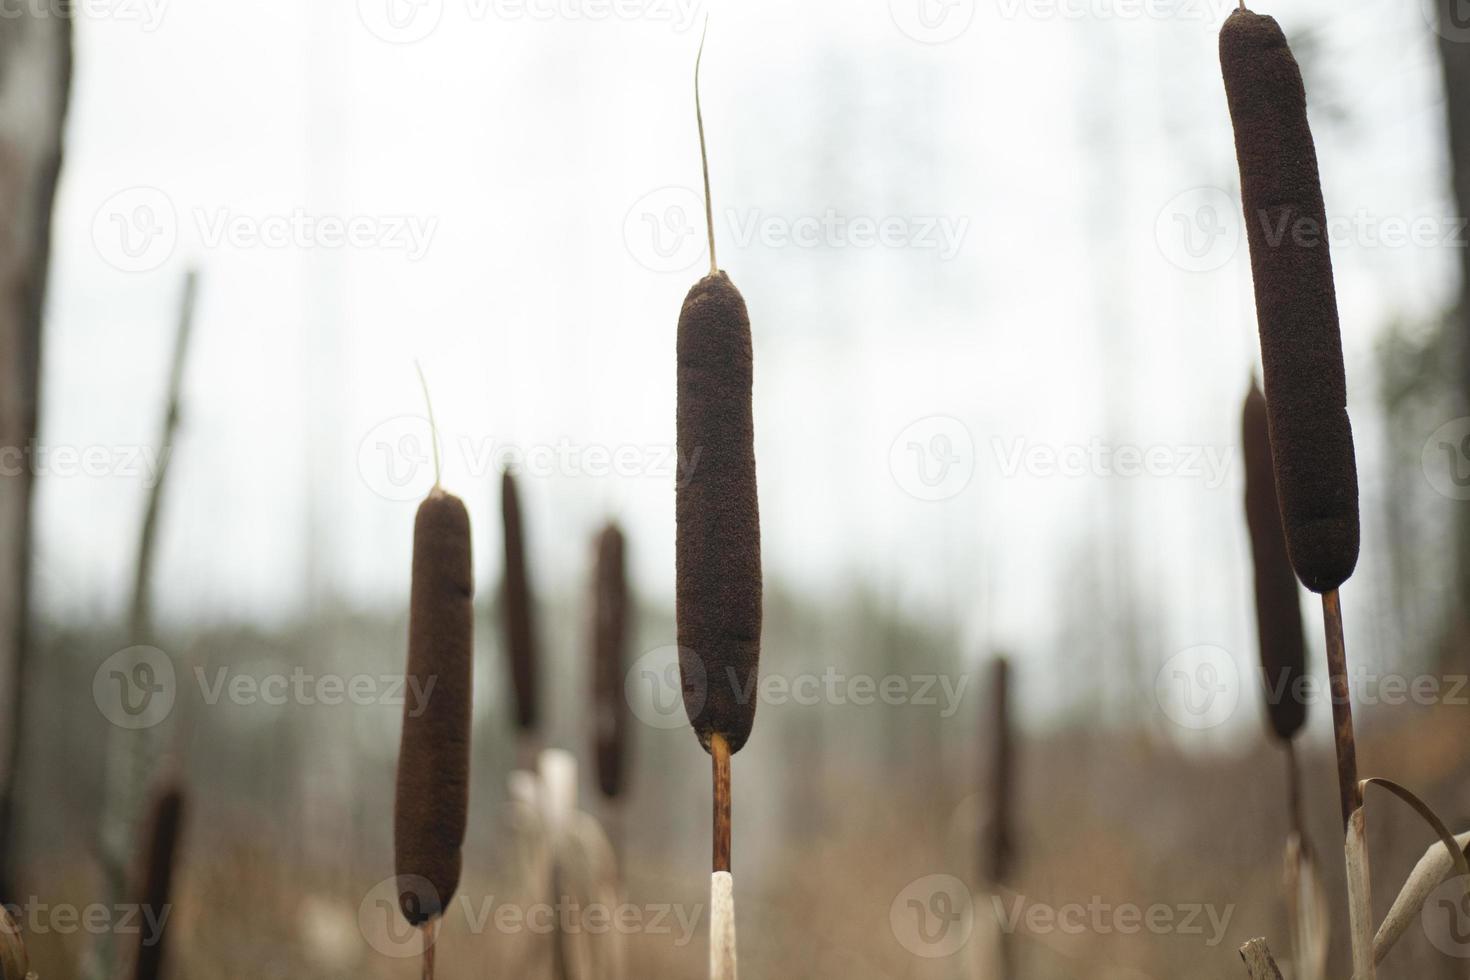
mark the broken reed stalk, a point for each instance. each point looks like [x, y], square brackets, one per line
[161, 848]
[431, 801]
[717, 548]
[609, 658]
[1306, 386]
[519, 618]
[1258, 961]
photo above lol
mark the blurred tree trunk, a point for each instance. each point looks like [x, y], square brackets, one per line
[1454, 48]
[35, 80]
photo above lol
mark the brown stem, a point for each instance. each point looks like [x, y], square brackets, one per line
[1342, 707]
[719, 751]
[429, 928]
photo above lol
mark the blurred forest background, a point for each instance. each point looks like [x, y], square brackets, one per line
[1065, 272]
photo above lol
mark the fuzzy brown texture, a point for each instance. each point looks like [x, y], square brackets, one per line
[1279, 632]
[520, 619]
[718, 547]
[1296, 304]
[609, 661]
[432, 800]
[161, 840]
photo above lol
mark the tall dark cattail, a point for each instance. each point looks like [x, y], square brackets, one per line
[718, 556]
[609, 655]
[1279, 631]
[999, 847]
[520, 629]
[1296, 304]
[161, 840]
[431, 806]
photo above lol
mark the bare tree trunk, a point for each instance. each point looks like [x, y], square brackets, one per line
[35, 81]
[1454, 47]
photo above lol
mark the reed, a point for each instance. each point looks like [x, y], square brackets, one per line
[431, 802]
[609, 661]
[717, 547]
[998, 847]
[161, 842]
[520, 625]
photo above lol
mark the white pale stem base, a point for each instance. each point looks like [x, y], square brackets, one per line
[722, 926]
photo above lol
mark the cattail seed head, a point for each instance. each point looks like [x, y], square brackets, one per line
[1279, 630]
[161, 842]
[430, 807]
[1000, 847]
[520, 631]
[609, 647]
[718, 558]
[1296, 303]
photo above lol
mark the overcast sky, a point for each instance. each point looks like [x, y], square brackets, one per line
[992, 254]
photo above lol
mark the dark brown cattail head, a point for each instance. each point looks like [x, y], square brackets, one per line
[161, 847]
[609, 656]
[432, 800]
[1296, 304]
[999, 847]
[520, 623]
[718, 546]
[1279, 630]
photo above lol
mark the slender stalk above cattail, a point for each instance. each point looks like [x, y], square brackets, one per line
[609, 655]
[430, 807]
[717, 548]
[160, 855]
[520, 623]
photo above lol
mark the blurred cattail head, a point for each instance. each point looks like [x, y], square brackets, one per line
[520, 630]
[609, 647]
[1279, 631]
[430, 807]
[718, 545]
[999, 847]
[160, 847]
[1296, 302]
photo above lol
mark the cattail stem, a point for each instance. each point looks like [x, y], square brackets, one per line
[429, 928]
[1342, 708]
[719, 751]
[433, 427]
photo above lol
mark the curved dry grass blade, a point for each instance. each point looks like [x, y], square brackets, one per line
[1431, 871]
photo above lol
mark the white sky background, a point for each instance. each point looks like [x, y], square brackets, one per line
[527, 142]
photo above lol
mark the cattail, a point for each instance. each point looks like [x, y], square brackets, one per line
[1000, 849]
[163, 830]
[520, 632]
[1296, 304]
[1278, 610]
[609, 645]
[718, 567]
[431, 805]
